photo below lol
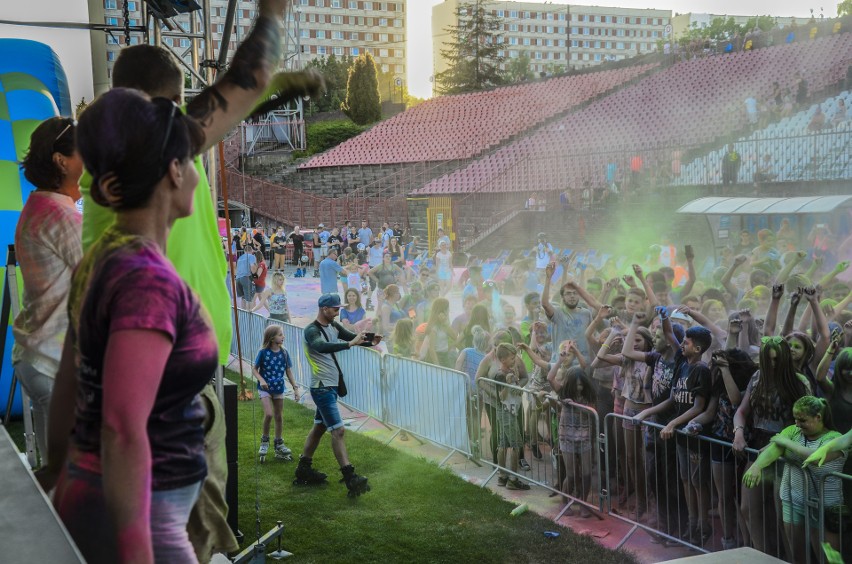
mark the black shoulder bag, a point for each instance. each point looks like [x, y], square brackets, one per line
[341, 386]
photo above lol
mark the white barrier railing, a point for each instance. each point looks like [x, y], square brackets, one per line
[362, 371]
[428, 400]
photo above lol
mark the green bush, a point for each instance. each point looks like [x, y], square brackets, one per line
[324, 135]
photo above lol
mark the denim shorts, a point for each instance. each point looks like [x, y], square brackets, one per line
[266, 394]
[245, 288]
[693, 465]
[327, 414]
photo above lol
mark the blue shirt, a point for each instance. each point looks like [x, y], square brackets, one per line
[365, 235]
[244, 265]
[328, 270]
[273, 367]
[352, 317]
[323, 236]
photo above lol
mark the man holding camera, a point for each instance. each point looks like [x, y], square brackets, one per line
[325, 337]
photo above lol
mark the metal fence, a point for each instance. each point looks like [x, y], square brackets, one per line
[684, 489]
[428, 400]
[519, 424]
[425, 400]
[689, 490]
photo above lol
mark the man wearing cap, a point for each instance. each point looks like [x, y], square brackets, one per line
[324, 340]
[321, 236]
[329, 271]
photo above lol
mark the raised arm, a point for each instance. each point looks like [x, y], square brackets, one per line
[841, 307]
[739, 260]
[816, 264]
[822, 335]
[772, 313]
[545, 291]
[794, 258]
[705, 321]
[627, 350]
[585, 295]
[646, 284]
[825, 363]
[224, 104]
[829, 276]
[795, 298]
[690, 270]
[605, 354]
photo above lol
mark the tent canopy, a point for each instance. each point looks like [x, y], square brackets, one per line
[766, 206]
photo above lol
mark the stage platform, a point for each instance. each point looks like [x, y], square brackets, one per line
[30, 531]
[734, 556]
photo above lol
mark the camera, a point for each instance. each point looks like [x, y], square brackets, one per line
[369, 337]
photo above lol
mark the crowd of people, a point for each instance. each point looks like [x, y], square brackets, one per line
[671, 354]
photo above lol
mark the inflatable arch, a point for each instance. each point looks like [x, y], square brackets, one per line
[33, 87]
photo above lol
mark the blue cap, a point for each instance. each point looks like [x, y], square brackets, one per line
[329, 300]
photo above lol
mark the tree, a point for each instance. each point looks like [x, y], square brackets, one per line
[844, 8]
[473, 54]
[335, 72]
[363, 104]
[518, 69]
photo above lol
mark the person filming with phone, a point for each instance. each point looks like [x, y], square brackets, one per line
[325, 338]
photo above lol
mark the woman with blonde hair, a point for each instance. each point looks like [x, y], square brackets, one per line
[274, 299]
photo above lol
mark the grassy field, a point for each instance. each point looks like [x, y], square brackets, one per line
[416, 511]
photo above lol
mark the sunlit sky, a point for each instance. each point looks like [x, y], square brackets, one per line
[420, 27]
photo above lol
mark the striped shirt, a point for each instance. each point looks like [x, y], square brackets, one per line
[48, 248]
[794, 478]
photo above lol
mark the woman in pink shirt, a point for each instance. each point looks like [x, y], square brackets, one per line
[48, 248]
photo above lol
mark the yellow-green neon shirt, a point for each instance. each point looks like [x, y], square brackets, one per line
[194, 247]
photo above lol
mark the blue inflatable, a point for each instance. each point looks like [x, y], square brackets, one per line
[33, 87]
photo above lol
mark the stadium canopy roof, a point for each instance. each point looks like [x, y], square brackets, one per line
[766, 206]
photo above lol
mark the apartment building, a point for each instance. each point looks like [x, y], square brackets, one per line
[559, 35]
[682, 23]
[323, 27]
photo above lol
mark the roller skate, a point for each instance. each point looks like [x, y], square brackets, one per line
[316, 273]
[306, 475]
[264, 448]
[355, 483]
[281, 451]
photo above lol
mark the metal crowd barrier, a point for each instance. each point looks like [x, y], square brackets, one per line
[429, 401]
[520, 424]
[835, 523]
[425, 400]
[648, 489]
[623, 468]
[362, 371]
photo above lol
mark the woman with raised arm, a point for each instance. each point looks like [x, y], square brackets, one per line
[766, 409]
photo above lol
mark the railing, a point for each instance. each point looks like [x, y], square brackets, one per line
[519, 421]
[619, 468]
[425, 400]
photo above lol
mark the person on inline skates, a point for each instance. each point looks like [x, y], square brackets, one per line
[270, 366]
[325, 337]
